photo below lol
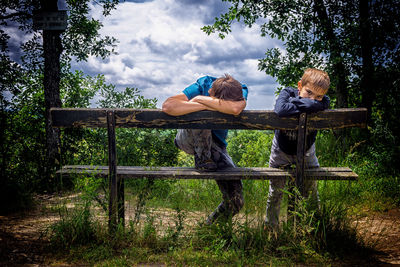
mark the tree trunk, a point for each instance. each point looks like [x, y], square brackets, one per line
[367, 68]
[339, 69]
[52, 49]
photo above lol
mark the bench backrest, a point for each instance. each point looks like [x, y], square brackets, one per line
[248, 119]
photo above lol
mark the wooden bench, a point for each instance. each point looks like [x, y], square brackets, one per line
[248, 119]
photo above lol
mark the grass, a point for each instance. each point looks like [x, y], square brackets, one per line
[167, 227]
[315, 237]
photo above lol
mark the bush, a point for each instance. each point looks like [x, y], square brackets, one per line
[250, 148]
[75, 228]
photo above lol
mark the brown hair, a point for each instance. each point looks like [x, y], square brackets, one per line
[317, 79]
[227, 88]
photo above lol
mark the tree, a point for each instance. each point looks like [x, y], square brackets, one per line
[347, 38]
[81, 39]
[356, 41]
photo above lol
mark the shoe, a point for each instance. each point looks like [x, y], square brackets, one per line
[211, 218]
[267, 227]
[220, 213]
[207, 166]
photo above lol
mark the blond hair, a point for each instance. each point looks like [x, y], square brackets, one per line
[317, 79]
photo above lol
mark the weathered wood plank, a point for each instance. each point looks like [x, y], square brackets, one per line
[337, 118]
[248, 119]
[112, 171]
[323, 173]
[79, 117]
[301, 151]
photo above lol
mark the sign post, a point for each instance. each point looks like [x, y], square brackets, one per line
[50, 20]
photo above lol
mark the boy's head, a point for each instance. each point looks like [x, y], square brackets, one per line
[226, 88]
[314, 84]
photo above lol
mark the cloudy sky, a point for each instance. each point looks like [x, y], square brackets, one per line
[162, 50]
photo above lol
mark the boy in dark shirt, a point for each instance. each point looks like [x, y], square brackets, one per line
[309, 97]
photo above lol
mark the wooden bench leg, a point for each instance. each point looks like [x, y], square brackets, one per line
[293, 196]
[112, 172]
[301, 151]
[121, 200]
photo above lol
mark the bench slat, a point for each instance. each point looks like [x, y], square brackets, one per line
[248, 119]
[323, 173]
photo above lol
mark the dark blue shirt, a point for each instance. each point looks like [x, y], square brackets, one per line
[289, 103]
[201, 87]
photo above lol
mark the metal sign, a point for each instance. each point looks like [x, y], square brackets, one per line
[53, 21]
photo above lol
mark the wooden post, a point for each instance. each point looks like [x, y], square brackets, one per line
[112, 165]
[121, 200]
[301, 150]
[299, 182]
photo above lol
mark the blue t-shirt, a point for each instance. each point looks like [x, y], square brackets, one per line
[201, 87]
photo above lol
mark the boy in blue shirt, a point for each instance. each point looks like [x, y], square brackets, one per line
[308, 97]
[225, 95]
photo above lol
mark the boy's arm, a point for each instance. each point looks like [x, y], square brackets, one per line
[310, 105]
[283, 105]
[288, 104]
[224, 106]
[179, 105]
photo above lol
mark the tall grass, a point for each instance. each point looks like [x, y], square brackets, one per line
[309, 236]
[168, 227]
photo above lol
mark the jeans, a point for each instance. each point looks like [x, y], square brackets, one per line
[201, 144]
[279, 159]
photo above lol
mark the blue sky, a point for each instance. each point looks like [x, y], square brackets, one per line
[162, 49]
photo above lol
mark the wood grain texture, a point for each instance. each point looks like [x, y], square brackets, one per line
[112, 171]
[248, 119]
[301, 151]
[256, 173]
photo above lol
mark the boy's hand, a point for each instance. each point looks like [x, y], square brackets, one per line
[310, 105]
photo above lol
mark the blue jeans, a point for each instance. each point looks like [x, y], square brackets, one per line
[279, 159]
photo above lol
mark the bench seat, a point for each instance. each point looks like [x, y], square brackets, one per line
[132, 172]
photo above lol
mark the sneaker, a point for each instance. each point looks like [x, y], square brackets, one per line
[207, 166]
[270, 227]
[211, 218]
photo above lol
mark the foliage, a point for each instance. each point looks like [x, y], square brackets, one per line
[316, 33]
[250, 148]
[357, 42]
[135, 147]
[22, 141]
[75, 228]
[23, 134]
[378, 181]
[23, 138]
[309, 237]
[82, 38]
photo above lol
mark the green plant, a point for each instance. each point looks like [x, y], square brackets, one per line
[74, 228]
[173, 234]
[250, 148]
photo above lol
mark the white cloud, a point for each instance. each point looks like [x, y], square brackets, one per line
[162, 50]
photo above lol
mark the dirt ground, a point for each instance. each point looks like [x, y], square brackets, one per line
[23, 242]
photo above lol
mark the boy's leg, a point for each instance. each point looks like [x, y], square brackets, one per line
[232, 190]
[277, 159]
[197, 143]
[200, 142]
